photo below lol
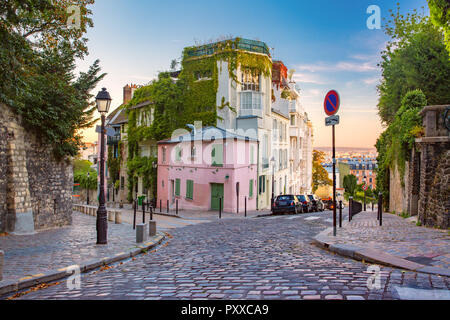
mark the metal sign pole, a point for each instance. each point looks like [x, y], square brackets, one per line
[334, 183]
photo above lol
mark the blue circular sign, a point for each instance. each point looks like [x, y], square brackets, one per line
[332, 103]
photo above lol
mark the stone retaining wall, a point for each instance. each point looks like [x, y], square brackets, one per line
[35, 188]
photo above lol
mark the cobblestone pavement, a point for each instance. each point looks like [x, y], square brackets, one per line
[262, 258]
[58, 248]
[398, 237]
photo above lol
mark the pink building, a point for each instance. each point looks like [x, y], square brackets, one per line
[199, 168]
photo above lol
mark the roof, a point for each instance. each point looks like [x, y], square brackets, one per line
[119, 117]
[142, 104]
[235, 44]
[207, 134]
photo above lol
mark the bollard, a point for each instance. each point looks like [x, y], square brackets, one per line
[160, 205]
[380, 208]
[2, 258]
[143, 211]
[118, 217]
[350, 207]
[220, 208]
[111, 216]
[134, 216]
[141, 233]
[167, 206]
[151, 213]
[340, 214]
[177, 207]
[372, 205]
[245, 208]
[152, 228]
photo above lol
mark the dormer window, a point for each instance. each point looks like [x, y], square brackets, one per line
[250, 81]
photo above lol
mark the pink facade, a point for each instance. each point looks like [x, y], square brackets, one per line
[186, 173]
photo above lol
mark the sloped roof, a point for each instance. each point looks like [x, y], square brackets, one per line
[207, 134]
[120, 117]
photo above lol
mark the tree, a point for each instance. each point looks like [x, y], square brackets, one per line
[415, 58]
[81, 168]
[320, 175]
[350, 184]
[37, 63]
[440, 16]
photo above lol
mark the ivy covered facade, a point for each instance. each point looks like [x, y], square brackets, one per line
[228, 85]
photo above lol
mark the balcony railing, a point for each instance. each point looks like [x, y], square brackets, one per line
[113, 140]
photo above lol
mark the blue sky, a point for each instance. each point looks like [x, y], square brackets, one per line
[327, 42]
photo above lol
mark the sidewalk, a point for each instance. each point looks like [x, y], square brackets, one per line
[399, 243]
[43, 257]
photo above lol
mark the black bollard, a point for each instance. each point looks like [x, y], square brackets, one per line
[167, 206]
[380, 206]
[134, 217]
[350, 207]
[151, 213]
[220, 208]
[160, 205]
[143, 211]
[340, 214]
[177, 207]
[245, 207]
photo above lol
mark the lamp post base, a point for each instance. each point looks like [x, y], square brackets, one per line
[102, 225]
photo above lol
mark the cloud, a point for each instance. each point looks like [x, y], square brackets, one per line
[307, 78]
[347, 66]
[371, 81]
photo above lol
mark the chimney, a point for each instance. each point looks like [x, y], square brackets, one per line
[127, 94]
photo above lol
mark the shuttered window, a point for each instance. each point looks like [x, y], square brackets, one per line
[250, 192]
[190, 189]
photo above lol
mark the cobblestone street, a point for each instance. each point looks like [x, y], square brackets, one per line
[258, 258]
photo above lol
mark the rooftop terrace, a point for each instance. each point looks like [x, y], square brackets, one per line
[236, 43]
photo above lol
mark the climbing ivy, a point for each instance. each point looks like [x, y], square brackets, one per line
[192, 97]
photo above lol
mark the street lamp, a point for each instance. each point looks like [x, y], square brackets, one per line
[87, 189]
[272, 161]
[103, 100]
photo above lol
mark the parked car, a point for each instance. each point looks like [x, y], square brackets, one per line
[306, 203]
[286, 203]
[317, 204]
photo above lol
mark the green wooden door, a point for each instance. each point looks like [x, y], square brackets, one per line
[216, 194]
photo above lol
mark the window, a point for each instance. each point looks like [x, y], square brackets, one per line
[217, 155]
[292, 120]
[252, 155]
[193, 152]
[262, 184]
[250, 100]
[190, 189]
[250, 191]
[275, 132]
[164, 154]
[177, 187]
[178, 153]
[250, 81]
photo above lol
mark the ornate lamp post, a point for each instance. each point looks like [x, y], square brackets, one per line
[103, 100]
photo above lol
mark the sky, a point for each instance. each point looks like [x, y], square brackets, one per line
[327, 42]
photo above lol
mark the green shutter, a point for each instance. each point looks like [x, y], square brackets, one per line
[177, 187]
[217, 155]
[250, 193]
[189, 189]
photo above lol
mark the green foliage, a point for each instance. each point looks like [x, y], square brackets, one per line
[350, 184]
[415, 58]
[114, 164]
[37, 63]
[319, 174]
[81, 168]
[395, 144]
[440, 16]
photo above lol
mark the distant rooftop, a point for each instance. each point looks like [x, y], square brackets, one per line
[236, 43]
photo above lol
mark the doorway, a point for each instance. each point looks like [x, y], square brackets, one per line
[216, 194]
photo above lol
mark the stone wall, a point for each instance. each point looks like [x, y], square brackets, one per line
[35, 188]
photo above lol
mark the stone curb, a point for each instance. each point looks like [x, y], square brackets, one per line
[373, 255]
[7, 287]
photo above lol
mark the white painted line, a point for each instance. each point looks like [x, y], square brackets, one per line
[406, 293]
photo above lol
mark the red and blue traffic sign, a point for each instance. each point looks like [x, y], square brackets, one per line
[332, 103]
